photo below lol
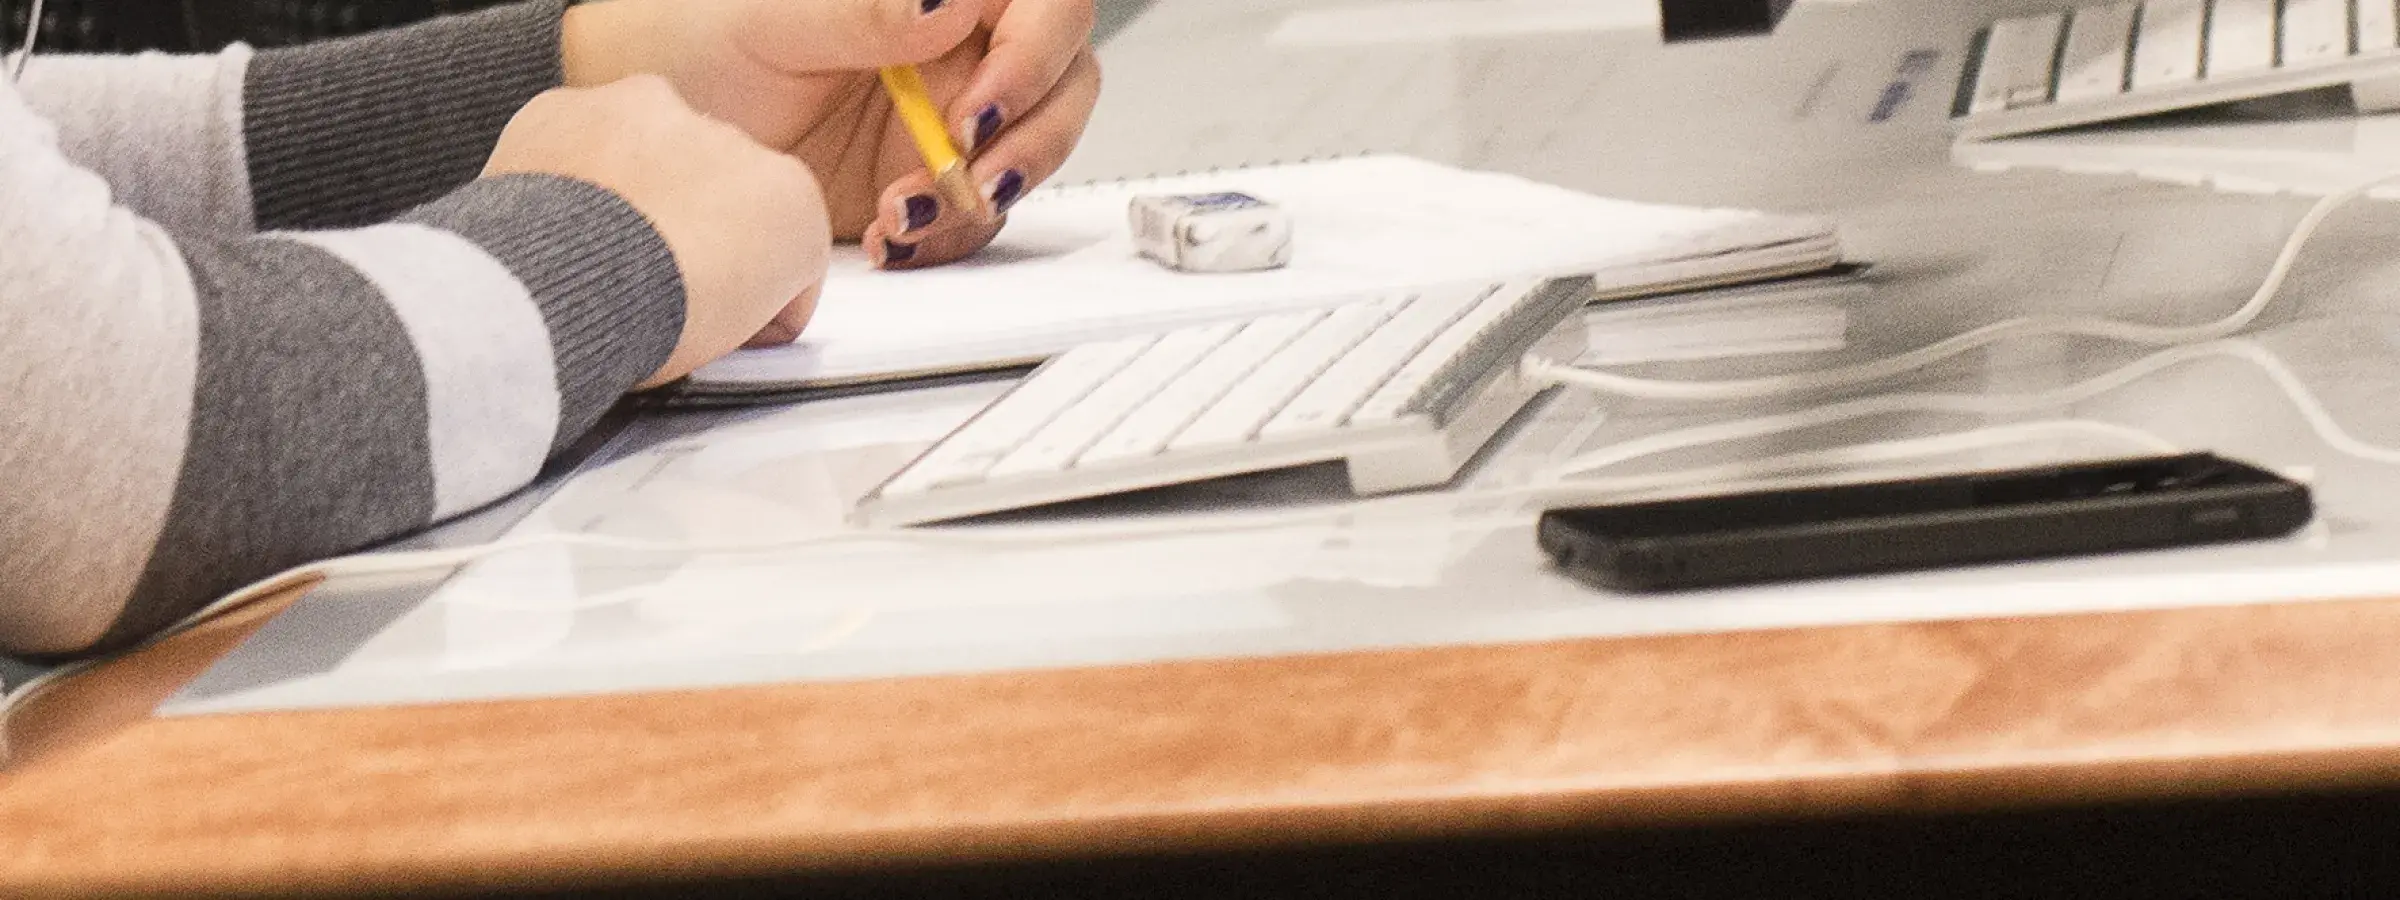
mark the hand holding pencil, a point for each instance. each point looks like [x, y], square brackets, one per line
[875, 97]
[924, 123]
[983, 134]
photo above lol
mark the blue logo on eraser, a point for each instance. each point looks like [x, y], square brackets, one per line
[1224, 200]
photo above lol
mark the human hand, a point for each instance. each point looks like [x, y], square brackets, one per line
[746, 224]
[1016, 78]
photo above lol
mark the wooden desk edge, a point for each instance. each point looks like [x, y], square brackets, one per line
[1250, 752]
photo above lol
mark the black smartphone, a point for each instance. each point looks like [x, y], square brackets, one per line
[1985, 517]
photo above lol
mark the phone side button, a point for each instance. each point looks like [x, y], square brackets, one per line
[2227, 522]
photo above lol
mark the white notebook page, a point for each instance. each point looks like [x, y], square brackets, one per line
[1065, 272]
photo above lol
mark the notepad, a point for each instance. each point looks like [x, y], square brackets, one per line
[1065, 271]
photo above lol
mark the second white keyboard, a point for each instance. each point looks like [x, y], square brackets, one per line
[1404, 388]
[2108, 61]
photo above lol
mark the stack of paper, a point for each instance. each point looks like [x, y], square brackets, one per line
[1065, 272]
[1801, 315]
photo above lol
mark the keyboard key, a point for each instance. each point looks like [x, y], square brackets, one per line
[2378, 26]
[1079, 426]
[1238, 415]
[2315, 32]
[1327, 401]
[965, 456]
[2241, 38]
[2098, 44]
[1495, 333]
[2166, 50]
[1991, 75]
[1146, 432]
[2031, 45]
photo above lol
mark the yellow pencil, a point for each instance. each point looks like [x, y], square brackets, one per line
[924, 123]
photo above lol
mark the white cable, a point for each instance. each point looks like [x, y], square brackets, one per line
[2312, 411]
[33, 30]
[2320, 420]
[1863, 407]
[2127, 332]
[1743, 475]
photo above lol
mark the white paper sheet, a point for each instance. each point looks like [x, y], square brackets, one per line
[1064, 272]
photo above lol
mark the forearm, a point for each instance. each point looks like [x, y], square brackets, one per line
[187, 415]
[335, 134]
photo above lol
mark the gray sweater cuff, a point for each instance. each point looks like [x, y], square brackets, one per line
[352, 132]
[606, 283]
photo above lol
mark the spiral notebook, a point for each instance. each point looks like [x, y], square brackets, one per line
[1064, 271]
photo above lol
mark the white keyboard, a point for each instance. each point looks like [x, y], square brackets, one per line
[2119, 60]
[1404, 388]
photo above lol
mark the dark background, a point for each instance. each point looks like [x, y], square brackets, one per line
[2320, 845]
[109, 26]
[123, 26]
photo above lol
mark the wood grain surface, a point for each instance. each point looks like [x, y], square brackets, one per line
[1211, 753]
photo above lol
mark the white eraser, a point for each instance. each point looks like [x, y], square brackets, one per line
[1222, 232]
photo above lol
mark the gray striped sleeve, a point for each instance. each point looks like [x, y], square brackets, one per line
[355, 386]
[164, 131]
[307, 430]
[96, 376]
[190, 410]
[600, 348]
[323, 135]
[354, 131]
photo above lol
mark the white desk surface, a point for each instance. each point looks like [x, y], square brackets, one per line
[1842, 112]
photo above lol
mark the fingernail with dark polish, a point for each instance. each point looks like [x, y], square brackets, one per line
[987, 126]
[929, 7]
[896, 252]
[920, 209]
[1006, 190]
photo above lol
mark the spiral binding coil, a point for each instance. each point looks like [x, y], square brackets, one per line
[1249, 166]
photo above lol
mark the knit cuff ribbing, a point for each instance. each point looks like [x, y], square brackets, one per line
[605, 281]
